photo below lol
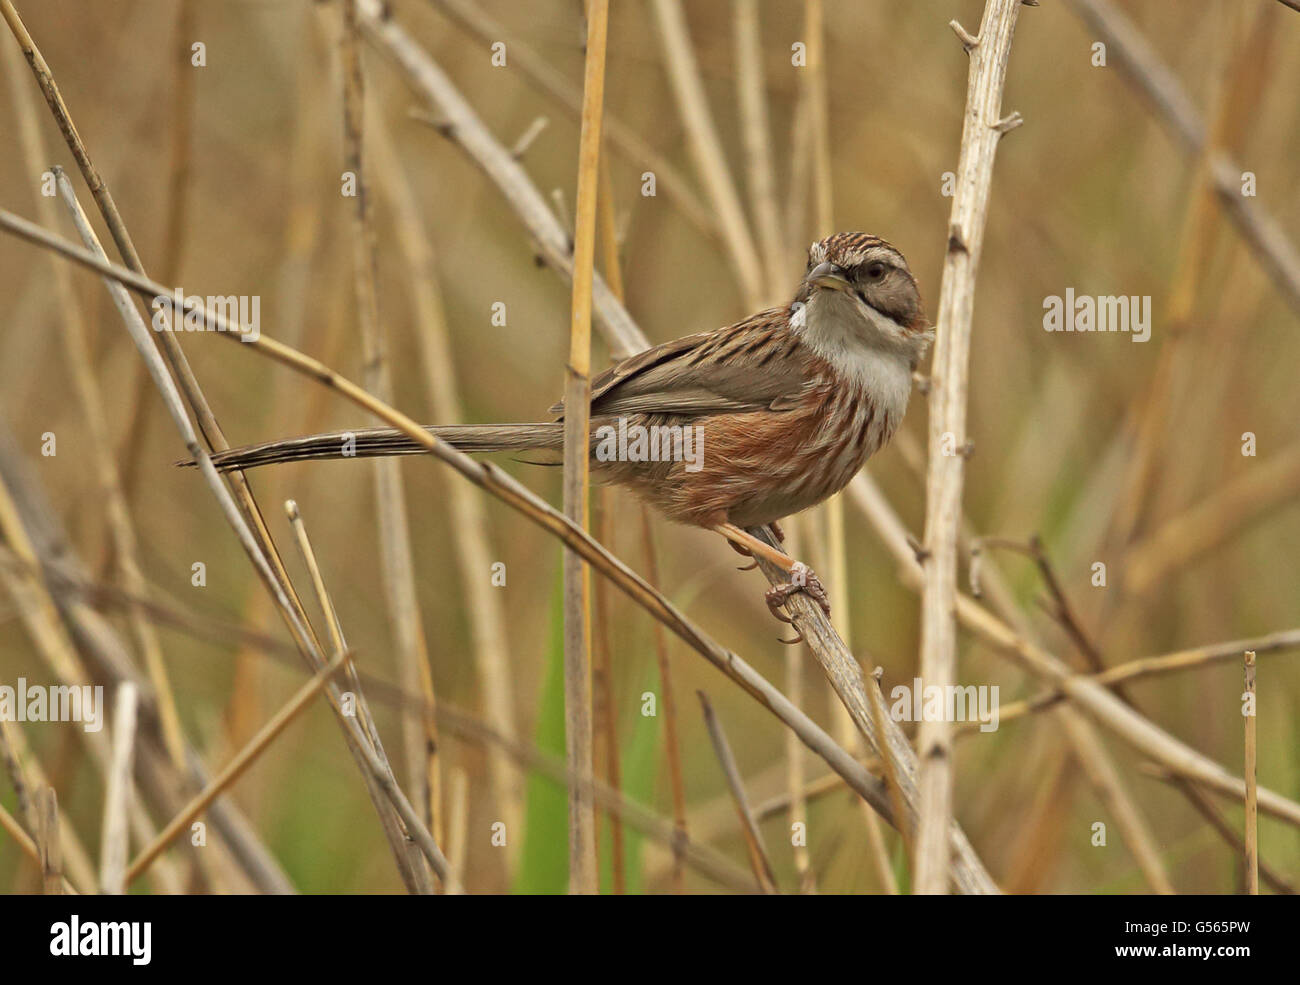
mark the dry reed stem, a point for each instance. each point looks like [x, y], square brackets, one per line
[1239, 92]
[1251, 838]
[243, 512]
[578, 741]
[795, 773]
[180, 153]
[758, 857]
[26, 518]
[1088, 695]
[817, 101]
[235, 768]
[14, 752]
[1143, 66]
[300, 240]
[1133, 826]
[413, 871]
[607, 225]
[391, 514]
[700, 857]
[142, 338]
[1210, 522]
[171, 348]
[672, 750]
[672, 744]
[1168, 663]
[890, 772]
[705, 147]
[467, 517]
[47, 838]
[40, 616]
[1101, 772]
[27, 846]
[1083, 740]
[414, 836]
[801, 540]
[982, 130]
[471, 18]
[457, 821]
[451, 718]
[1044, 825]
[1064, 613]
[1205, 807]
[461, 125]
[604, 703]
[289, 607]
[751, 98]
[14, 769]
[113, 846]
[73, 331]
[845, 674]
[797, 194]
[602, 668]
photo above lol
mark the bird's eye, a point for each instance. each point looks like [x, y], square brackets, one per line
[875, 271]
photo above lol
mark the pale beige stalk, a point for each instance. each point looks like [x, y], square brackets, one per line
[583, 875]
[982, 130]
[467, 517]
[113, 846]
[706, 147]
[398, 564]
[1252, 792]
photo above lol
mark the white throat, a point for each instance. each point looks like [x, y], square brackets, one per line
[866, 346]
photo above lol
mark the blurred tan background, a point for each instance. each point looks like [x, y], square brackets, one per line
[1091, 193]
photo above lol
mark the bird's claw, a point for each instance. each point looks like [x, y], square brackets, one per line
[802, 579]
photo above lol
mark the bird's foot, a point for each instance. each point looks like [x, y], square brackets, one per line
[802, 579]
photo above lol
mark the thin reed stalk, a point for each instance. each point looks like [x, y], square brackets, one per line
[1251, 839]
[758, 857]
[467, 517]
[113, 845]
[392, 517]
[583, 873]
[982, 130]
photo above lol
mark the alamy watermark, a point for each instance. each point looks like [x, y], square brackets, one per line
[658, 443]
[1103, 313]
[57, 703]
[103, 939]
[950, 702]
[240, 314]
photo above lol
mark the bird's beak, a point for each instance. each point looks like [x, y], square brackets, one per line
[828, 275]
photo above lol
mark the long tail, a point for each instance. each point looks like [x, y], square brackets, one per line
[372, 442]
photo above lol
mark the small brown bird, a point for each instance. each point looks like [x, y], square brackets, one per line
[760, 420]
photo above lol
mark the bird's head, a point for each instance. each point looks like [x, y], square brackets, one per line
[867, 272]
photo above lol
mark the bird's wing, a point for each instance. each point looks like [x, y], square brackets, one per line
[744, 367]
